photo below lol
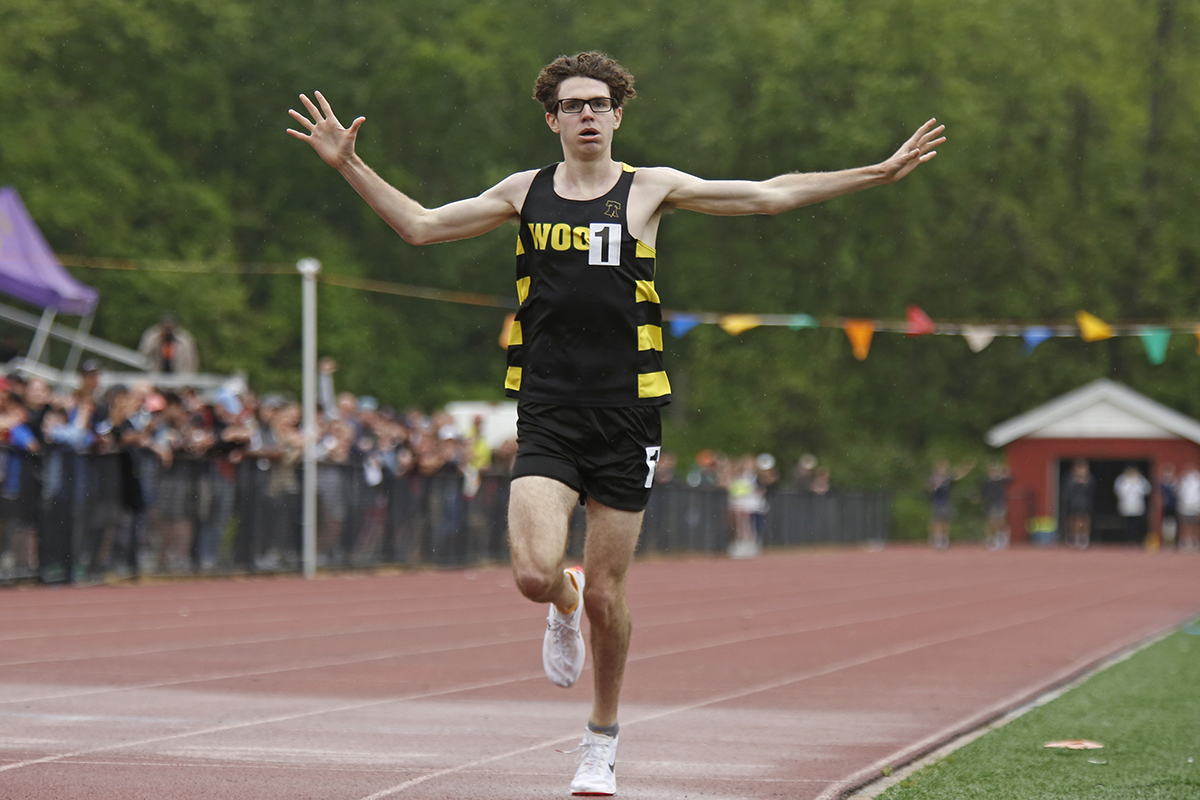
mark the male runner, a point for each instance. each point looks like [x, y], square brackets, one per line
[585, 355]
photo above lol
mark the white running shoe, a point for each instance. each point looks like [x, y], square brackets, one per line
[562, 647]
[597, 773]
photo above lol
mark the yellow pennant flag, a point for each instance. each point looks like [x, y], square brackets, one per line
[733, 324]
[1092, 328]
[859, 332]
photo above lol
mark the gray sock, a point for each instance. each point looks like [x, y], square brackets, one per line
[608, 730]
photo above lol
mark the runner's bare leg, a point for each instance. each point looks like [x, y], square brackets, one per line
[611, 538]
[539, 512]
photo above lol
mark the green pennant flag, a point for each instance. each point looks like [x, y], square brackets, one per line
[1155, 341]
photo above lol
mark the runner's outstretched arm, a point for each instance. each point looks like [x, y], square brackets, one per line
[785, 192]
[415, 223]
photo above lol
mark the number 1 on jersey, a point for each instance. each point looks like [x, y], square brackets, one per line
[604, 244]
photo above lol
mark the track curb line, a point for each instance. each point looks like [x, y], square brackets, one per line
[872, 781]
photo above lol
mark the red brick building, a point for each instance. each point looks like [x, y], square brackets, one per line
[1106, 423]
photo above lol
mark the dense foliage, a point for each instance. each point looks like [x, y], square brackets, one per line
[154, 129]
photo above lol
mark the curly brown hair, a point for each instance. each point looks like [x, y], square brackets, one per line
[592, 64]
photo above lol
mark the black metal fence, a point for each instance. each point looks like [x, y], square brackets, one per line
[67, 516]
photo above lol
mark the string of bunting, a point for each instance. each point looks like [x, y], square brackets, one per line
[1155, 337]
[345, 281]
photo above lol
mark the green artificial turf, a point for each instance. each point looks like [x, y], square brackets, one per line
[1145, 711]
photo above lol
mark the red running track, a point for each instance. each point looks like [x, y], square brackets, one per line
[794, 675]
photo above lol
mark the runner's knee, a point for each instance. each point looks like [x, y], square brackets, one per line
[536, 583]
[603, 603]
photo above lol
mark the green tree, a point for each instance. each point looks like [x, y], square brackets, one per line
[153, 129]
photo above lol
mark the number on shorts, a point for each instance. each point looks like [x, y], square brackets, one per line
[651, 464]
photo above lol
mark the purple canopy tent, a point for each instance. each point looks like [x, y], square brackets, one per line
[28, 269]
[30, 272]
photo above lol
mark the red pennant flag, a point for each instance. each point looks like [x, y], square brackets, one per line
[919, 323]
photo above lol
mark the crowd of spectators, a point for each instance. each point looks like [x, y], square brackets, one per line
[164, 439]
[749, 481]
[172, 451]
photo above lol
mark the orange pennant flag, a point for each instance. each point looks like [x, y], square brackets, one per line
[1092, 328]
[859, 332]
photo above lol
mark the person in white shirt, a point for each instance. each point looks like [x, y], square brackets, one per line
[1132, 489]
[1188, 507]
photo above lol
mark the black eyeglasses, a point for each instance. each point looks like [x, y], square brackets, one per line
[573, 105]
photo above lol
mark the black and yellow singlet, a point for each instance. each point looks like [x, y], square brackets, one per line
[589, 328]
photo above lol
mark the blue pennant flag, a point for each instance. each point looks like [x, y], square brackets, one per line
[1035, 335]
[681, 324]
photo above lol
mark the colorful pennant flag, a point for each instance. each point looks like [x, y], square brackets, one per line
[683, 323]
[1092, 328]
[859, 332]
[919, 323]
[1034, 336]
[1155, 340]
[978, 338]
[733, 324]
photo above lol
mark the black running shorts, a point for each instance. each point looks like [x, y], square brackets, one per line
[608, 454]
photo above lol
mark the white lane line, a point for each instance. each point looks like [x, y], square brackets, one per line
[310, 665]
[233, 726]
[725, 613]
[895, 587]
[721, 698]
[838, 666]
[264, 591]
[934, 604]
[306, 608]
[257, 640]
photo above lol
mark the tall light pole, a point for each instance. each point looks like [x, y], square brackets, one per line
[308, 269]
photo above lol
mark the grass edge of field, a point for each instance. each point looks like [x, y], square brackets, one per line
[880, 787]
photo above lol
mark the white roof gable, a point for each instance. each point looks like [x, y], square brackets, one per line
[1102, 409]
